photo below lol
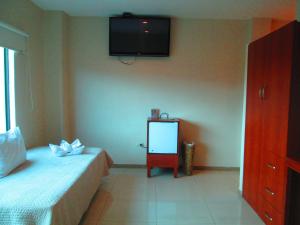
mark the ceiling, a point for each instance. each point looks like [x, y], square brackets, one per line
[203, 9]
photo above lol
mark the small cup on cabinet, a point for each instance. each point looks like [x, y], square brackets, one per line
[154, 113]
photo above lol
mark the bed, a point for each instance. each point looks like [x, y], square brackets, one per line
[52, 190]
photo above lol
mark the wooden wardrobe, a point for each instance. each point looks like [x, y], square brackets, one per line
[272, 120]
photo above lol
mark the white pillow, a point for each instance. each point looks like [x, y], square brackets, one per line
[12, 151]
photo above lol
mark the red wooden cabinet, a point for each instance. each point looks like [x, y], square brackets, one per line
[277, 82]
[163, 144]
[162, 161]
[272, 120]
[270, 215]
[253, 140]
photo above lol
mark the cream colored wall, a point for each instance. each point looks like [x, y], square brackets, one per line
[260, 27]
[201, 83]
[67, 128]
[264, 26]
[106, 103]
[56, 76]
[53, 74]
[26, 16]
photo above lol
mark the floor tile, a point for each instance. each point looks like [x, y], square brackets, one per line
[231, 212]
[134, 188]
[182, 212]
[128, 197]
[130, 211]
[177, 191]
[173, 189]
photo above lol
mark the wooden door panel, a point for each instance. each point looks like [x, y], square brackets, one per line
[277, 90]
[253, 137]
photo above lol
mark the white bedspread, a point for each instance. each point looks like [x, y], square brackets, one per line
[51, 190]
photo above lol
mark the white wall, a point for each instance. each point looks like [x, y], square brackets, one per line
[56, 76]
[201, 83]
[26, 16]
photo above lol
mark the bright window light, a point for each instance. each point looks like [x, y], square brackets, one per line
[7, 89]
[12, 105]
[2, 93]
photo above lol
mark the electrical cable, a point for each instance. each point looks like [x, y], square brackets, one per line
[126, 62]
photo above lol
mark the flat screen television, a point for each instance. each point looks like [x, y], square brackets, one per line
[139, 36]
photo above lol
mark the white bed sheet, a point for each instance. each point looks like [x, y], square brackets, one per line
[51, 190]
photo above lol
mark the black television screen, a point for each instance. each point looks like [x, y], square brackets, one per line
[139, 36]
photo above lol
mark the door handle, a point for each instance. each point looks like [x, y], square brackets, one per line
[268, 217]
[269, 191]
[260, 93]
[269, 165]
[263, 93]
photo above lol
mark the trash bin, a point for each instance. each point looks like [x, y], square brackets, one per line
[188, 157]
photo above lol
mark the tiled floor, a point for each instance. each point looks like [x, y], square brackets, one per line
[128, 197]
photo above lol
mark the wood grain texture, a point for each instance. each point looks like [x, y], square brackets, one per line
[273, 180]
[269, 214]
[293, 164]
[278, 69]
[162, 161]
[253, 132]
[272, 121]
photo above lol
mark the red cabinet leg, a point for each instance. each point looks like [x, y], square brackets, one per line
[175, 172]
[148, 171]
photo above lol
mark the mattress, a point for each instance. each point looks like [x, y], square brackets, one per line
[51, 190]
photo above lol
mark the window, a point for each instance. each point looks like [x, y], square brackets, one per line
[7, 90]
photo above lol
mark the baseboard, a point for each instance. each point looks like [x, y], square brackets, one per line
[216, 168]
[128, 166]
[194, 167]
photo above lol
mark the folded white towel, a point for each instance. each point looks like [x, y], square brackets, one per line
[76, 143]
[66, 146]
[65, 149]
[57, 150]
[77, 151]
